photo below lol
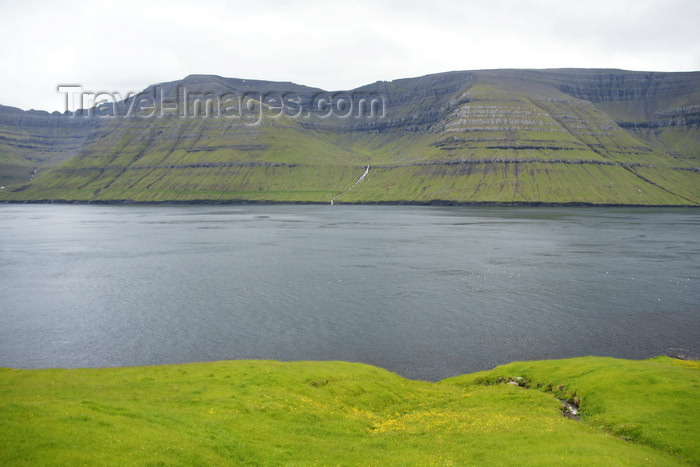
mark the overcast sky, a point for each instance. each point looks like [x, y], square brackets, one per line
[124, 45]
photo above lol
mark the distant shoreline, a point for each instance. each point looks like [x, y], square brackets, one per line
[442, 203]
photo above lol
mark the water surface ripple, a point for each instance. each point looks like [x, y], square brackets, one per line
[427, 292]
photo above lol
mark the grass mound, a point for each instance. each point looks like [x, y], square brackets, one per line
[337, 413]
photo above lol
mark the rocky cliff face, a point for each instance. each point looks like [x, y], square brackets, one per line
[34, 141]
[515, 136]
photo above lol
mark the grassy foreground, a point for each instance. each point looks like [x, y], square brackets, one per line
[336, 413]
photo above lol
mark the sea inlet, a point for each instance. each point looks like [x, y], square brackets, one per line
[427, 292]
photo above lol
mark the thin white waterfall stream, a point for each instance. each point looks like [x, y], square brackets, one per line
[359, 180]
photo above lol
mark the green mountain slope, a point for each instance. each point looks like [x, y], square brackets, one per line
[504, 136]
[31, 142]
[336, 413]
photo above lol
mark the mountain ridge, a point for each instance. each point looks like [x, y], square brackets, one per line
[553, 136]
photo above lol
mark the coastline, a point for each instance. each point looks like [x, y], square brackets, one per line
[436, 202]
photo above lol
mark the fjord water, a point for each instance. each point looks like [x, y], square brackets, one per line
[428, 292]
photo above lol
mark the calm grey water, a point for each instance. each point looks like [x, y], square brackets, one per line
[428, 292]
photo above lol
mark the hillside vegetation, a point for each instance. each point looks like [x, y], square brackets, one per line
[335, 413]
[501, 136]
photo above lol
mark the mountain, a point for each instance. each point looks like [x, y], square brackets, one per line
[607, 137]
[35, 140]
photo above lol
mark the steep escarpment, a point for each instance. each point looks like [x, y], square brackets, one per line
[506, 136]
[34, 141]
[660, 108]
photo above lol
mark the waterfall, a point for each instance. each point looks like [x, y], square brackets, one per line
[359, 180]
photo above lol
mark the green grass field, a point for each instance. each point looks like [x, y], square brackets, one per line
[337, 413]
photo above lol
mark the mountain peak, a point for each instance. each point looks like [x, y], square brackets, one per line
[502, 136]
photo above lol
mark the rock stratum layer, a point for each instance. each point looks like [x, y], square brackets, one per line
[568, 136]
